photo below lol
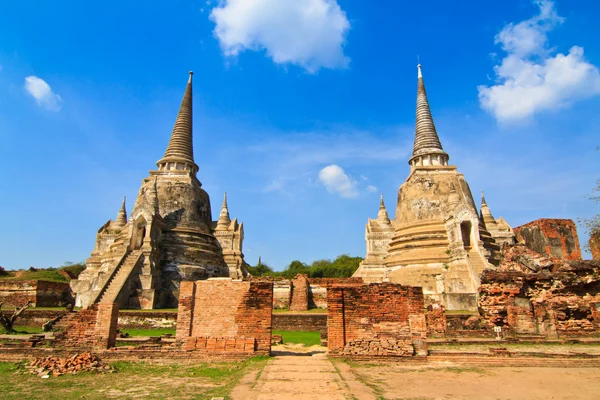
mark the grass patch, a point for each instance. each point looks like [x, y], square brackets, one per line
[306, 338]
[148, 332]
[42, 274]
[23, 330]
[131, 380]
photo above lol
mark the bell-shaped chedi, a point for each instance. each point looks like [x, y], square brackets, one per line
[168, 237]
[439, 240]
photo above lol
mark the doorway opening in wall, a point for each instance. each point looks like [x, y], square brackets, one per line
[465, 231]
[139, 233]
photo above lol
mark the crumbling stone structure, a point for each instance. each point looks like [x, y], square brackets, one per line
[535, 294]
[39, 292]
[376, 320]
[437, 239]
[169, 237]
[552, 237]
[220, 315]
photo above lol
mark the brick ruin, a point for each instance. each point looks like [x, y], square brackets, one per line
[39, 292]
[225, 316]
[552, 237]
[94, 327]
[594, 244]
[538, 295]
[376, 320]
[303, 293]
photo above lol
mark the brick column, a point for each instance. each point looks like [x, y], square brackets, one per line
[185, 310]
[336, 338]
[106, 325]
[299, 293]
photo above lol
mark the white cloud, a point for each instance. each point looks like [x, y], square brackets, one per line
[308, 33]
[42, 93]
[337, 181]
[371, 188]
[530, 78]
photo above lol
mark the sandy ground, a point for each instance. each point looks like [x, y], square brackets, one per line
[453, 381]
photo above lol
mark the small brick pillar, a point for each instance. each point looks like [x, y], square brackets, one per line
[106, 325]
[185, 310]
[595, 246]
[299, 289]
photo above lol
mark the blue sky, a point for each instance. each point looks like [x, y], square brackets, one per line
[303, 112]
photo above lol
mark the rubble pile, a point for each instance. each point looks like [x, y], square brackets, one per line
[534, 294]
[56, 366]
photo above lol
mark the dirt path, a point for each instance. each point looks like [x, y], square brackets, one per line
[298, 377]
[454, 381]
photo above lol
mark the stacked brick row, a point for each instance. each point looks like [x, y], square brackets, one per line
[384, 347]
[221, 345]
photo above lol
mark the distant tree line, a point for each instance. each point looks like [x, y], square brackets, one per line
[342, 267]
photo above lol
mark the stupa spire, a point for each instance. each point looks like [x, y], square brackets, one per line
[180, 151]
[382, 215]
[121, 219]
[486, 214]
[224, 220]
[427, 149]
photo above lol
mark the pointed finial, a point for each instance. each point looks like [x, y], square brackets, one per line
[121, 219]
[427, 143]
[224, 219]
[180, 151]
[483, 199]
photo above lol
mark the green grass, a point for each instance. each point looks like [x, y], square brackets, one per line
[24, 329]
[43, 274]
[131, 380]
[311, 311]
[148, 332]
[306, 338]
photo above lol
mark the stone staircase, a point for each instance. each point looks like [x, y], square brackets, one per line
[118, 279]
[477, 264]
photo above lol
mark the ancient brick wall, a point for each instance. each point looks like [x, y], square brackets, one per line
[376, 320]
[436, 320]
[222, 315]
[299, 293]
[92, 327]
[551, 237]
[300, 322]
[40, 293]
[317, 291]
[532, 294]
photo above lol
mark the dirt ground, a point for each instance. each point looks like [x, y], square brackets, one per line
[298, 372]
[455, 381]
